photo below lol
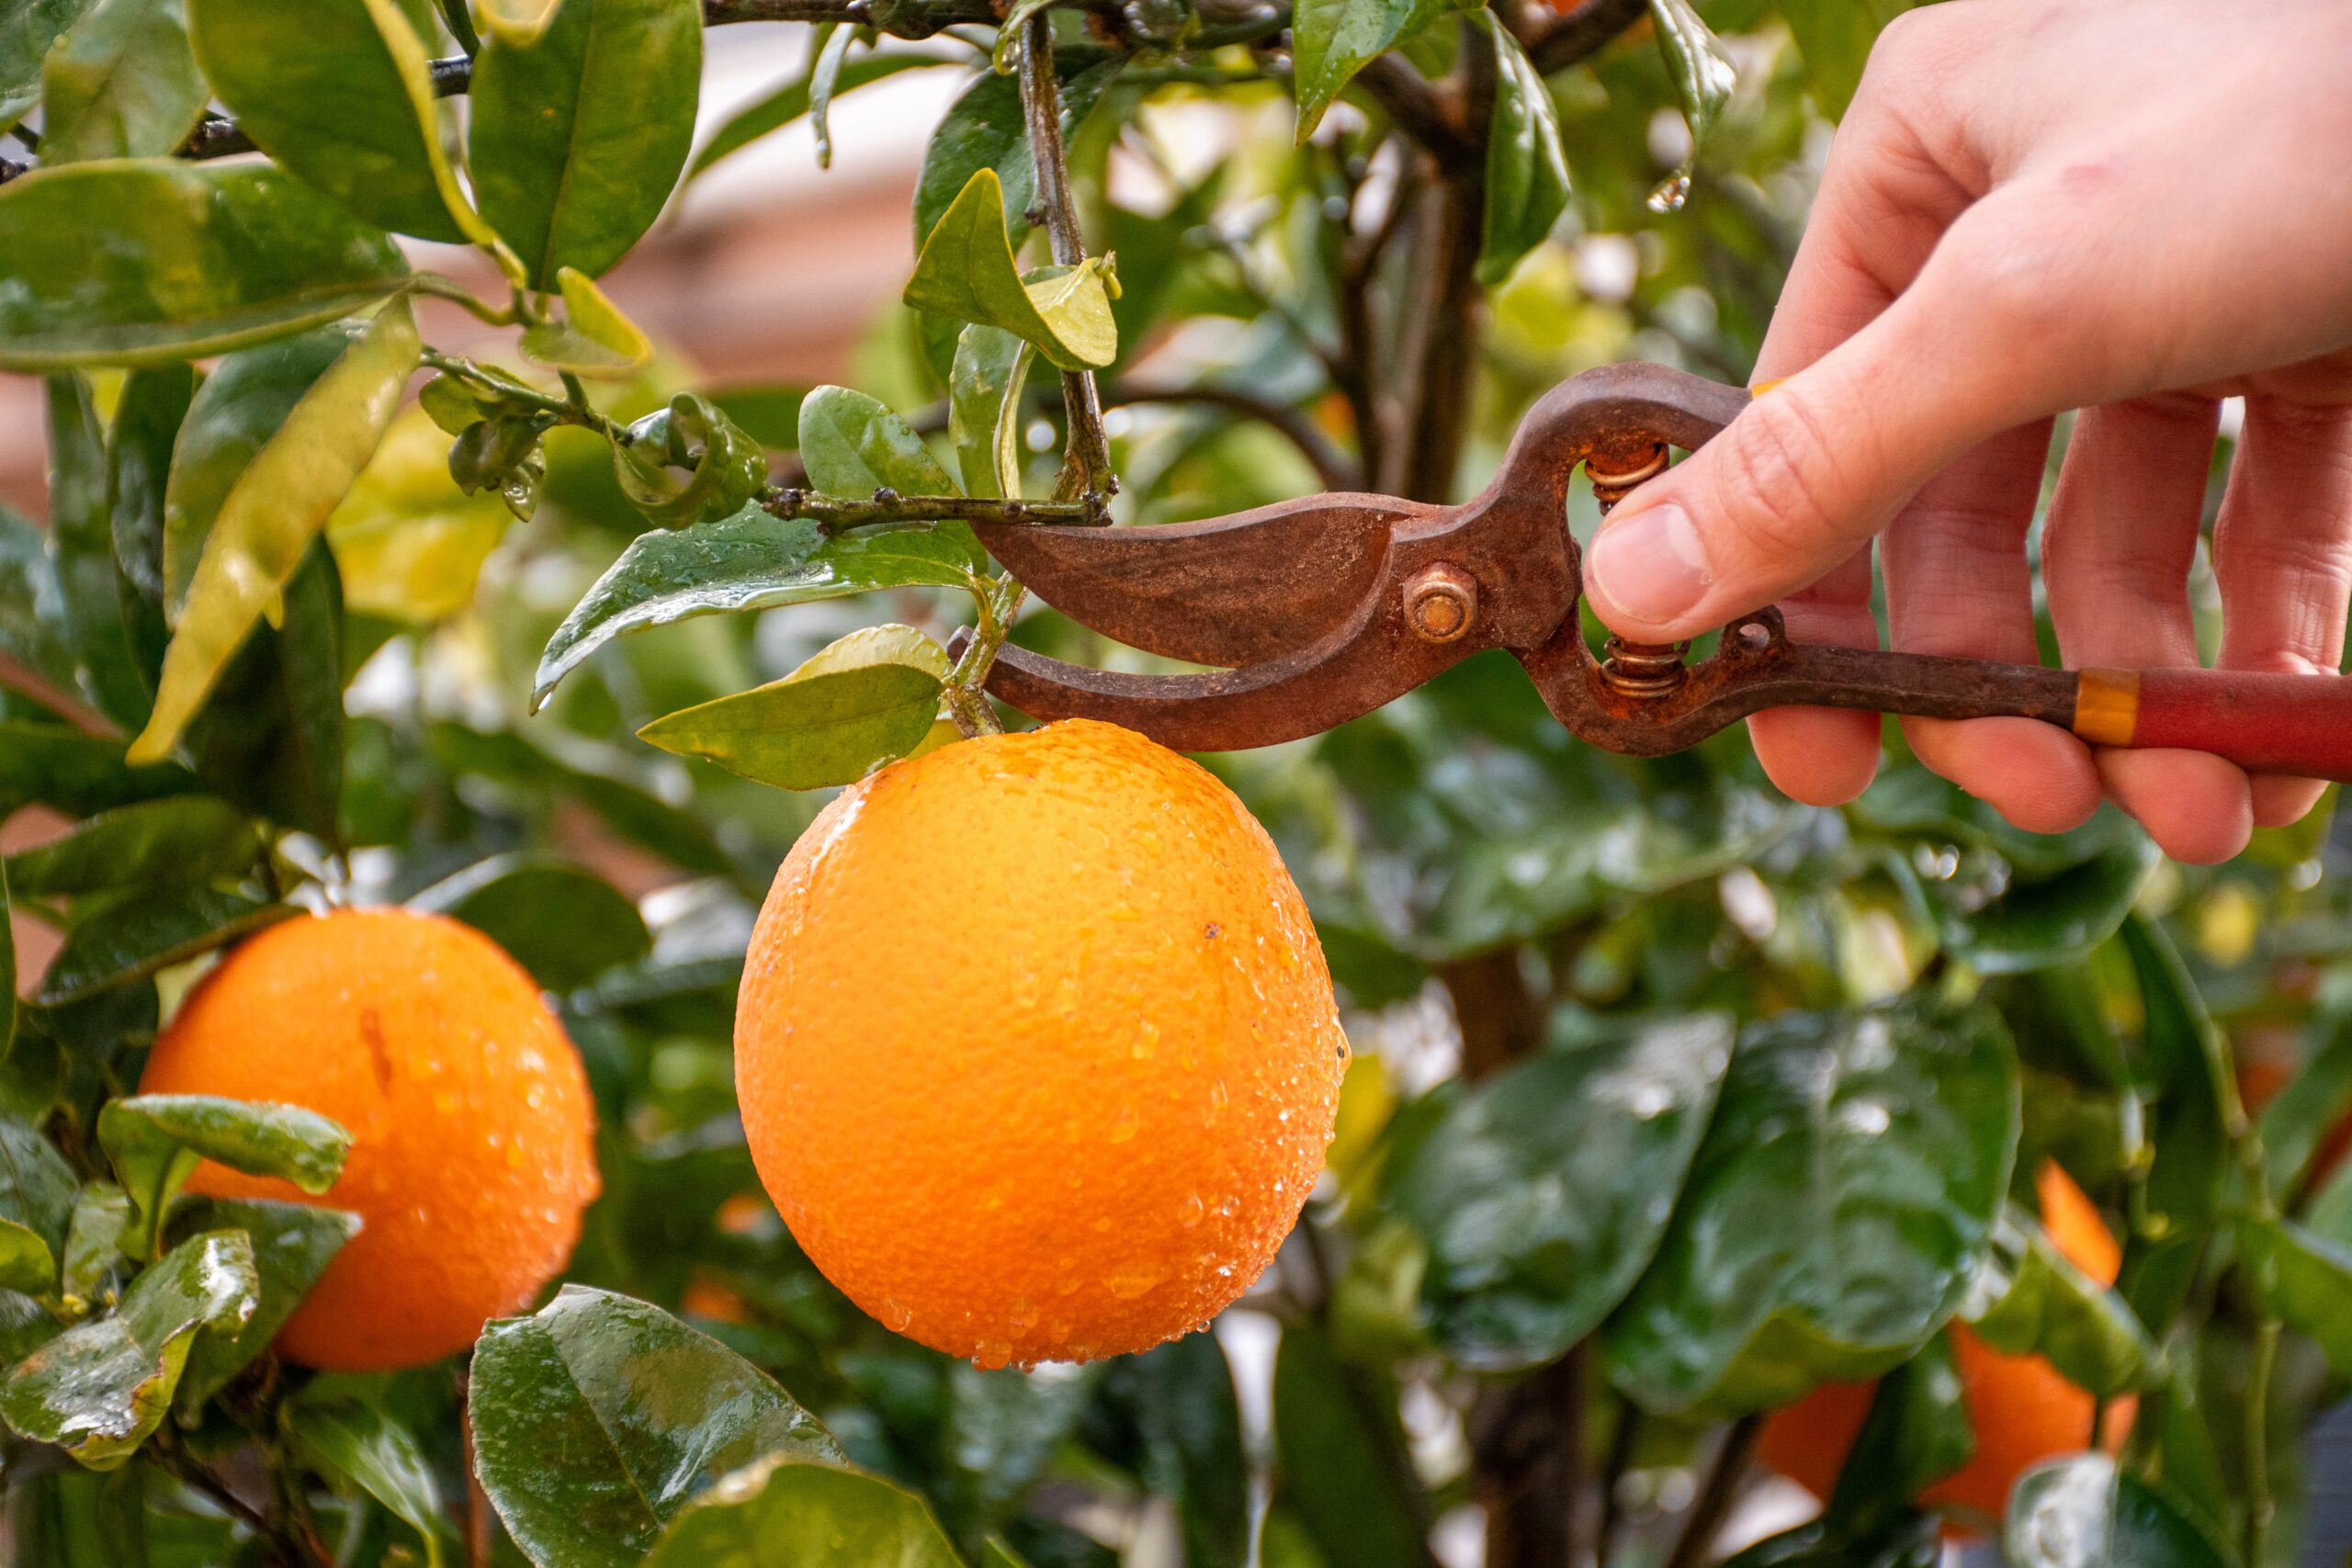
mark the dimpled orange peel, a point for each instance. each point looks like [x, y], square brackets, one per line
[474, 1134]
[1036, 1046]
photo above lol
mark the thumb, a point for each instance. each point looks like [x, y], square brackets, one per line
[1809, 471]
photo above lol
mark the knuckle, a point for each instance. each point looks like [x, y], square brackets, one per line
[1778, 475]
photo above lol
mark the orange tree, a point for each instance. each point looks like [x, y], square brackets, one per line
[1670, 1103]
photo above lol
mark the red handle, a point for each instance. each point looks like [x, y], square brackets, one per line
[2300, 725]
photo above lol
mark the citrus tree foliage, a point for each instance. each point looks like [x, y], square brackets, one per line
[1670, 1101]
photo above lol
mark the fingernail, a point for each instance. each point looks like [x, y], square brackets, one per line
[1650, 565]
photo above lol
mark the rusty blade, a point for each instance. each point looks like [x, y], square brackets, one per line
[1225, 591]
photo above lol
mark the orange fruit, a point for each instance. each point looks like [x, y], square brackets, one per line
[2022, 1408]
[472, 1132]
[1036, 1046]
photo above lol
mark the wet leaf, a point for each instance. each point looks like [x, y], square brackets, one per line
[1542, 1191]
[409, 543]
[790, 100]
[1835, 1211]
[984, 409]
[98, 1389]
[37, 1189]
[594, 339]
[121, 84]
[2304, 1277]
[33, 628]
[576, 1427]
[2188, 1120]
[2054, 920]
[1527, 168]
[337, 91]
[189, 838]
[156, 1141]
[578, 136]
[292, 1243]
[724, 468]
[1703, 78]
[372, 1451]
[2083, 1512]
[984, 130]
[565, 925]
[114, 942]
[273, 511]
[853, 446]
[28, 28]
[1341, 1459]
[93, 1240]
[138, 262]
[749, 562]
[866, 699]
[967, 272]
[82, 549]
[788, 1509]
[2029, 1298]
[1333, 39]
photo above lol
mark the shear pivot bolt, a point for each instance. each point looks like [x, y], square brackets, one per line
[1440, 602]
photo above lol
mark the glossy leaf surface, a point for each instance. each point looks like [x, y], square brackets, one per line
[967, 272]
[1526, 169]
[1333, 39]
[121, 84]
[292, 1243]
[156, 1140]
[190, 838]
[790, 1509]
[115, 943]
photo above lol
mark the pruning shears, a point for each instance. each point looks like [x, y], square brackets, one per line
[1318, 610]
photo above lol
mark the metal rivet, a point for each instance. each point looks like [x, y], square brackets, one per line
[1440, 602]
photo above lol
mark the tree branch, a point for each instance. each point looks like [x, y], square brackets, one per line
[1331, 464]
[1445, 348]
[1422, 111]
[1716, 1494]
[1581, 34]
[1086, 470]
[833, 514]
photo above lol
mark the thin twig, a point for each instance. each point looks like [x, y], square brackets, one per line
[834, 513]
[1088, 469]
[1447, 337]
[1581, 34]
[2261, 1508]
[1331, 465]
[1715, 1496]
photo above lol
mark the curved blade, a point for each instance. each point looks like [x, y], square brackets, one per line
[1225, 591]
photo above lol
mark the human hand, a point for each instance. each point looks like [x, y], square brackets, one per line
[2135, 209]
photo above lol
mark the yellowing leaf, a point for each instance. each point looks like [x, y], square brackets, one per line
[408, 543]
[515, 23]
[274, 510]
[966, 271]
[595, 339]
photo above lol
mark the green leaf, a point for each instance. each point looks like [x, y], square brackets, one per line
[1542, 1191]
[1527, 168]
[984, 409]
[2057, 919]
[749, 562]
[82, 546]
[1835, 42]
[121, 84]
[595, 340]
[2028, 1298]
[138, 262]
[1837, 1206]
[597, 1419]
[147, 419]
[726, 467]
[337, 91]
[28, 29]
[2298, 1121]
[98, 1389]
[8, 1007]
[2304, 1278]
[516, 23]
[2083, 1512]
[154, 1140]
[866, 699]
[1704, 80]
[790, 100]
[93, 1240]
[274, 510]
[984, 130]
[853, 446]
[37, 1189]
[1917, 1432]
[787, 1509]
[114, 942]
[577, 137]
[1341, 1457]
[408, 544]
[831, 45]
[2188, 1121]
[967, 272]
[1916, 1543]
[371, 1450]
[1178, 1403]
[293, 1244]
[271, 740]
[1333, 39]
[33, 628]
[76, 773]
[189, 838]
[565, 925]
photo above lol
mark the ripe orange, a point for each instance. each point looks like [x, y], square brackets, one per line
[1036, 1046]
[474, 1134]
[2023, 1410]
